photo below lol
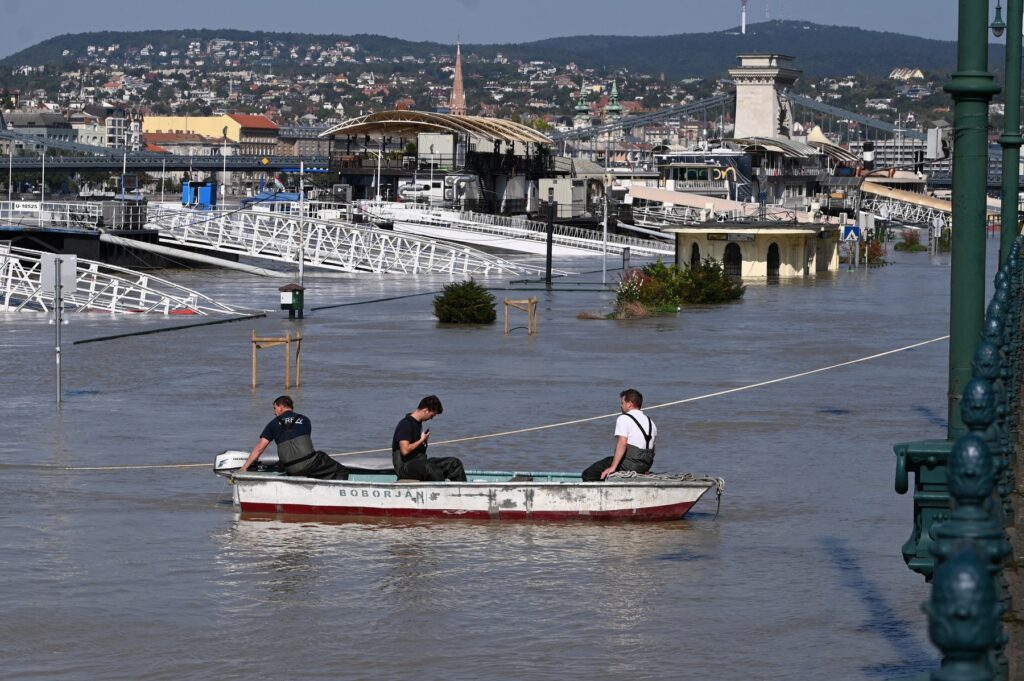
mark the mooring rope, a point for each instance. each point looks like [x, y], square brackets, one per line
[531, 429]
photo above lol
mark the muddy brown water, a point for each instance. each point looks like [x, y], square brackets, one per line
[132, 573]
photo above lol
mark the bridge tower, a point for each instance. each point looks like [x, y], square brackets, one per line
[762, 109]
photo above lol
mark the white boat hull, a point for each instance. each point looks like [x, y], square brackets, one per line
[555, 498]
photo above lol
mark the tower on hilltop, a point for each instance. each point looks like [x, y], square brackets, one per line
[457, 106]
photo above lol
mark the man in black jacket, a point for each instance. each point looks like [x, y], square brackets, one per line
[409, 448]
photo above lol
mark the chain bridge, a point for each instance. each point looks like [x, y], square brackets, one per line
[99, 288]
[330, 245]
[713, 107]
[83, 157]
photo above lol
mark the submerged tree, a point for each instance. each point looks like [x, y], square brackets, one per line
[465, 302]
[660, 289]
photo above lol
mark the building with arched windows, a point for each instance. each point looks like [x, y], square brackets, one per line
[754, 250]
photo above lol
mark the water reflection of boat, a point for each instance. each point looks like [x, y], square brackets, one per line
[496, 495]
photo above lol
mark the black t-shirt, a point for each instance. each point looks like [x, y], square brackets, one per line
[410, 430]
[286, 426]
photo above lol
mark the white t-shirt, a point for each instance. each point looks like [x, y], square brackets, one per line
[626, 426]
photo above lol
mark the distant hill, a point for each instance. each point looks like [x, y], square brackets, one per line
[819, 50]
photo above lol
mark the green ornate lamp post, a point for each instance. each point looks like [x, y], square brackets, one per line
[972, 88]
[1011, 139]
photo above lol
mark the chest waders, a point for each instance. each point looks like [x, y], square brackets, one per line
[296, 453]
[636, 458]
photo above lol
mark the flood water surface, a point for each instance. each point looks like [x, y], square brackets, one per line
[115, 570]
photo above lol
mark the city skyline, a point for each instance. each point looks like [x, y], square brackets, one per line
[469, 21]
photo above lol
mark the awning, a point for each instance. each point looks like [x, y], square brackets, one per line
[787, 147]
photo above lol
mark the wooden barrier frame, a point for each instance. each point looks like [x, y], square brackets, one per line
[260, 343]
[529, 306]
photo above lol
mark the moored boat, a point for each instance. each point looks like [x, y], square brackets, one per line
[498, 495]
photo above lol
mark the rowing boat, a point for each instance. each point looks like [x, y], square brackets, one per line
[373, 490]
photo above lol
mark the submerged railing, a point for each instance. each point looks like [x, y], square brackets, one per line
[964, 501]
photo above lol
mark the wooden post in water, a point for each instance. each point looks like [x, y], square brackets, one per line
[287, 341]
[529, 306]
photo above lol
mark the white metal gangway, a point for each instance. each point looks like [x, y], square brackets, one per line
[332, 245]
[100, 288]
[512, 233]
[903, 206]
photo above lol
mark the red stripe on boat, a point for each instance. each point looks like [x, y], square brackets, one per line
[670, 512]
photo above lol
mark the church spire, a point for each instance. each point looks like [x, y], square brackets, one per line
[613, 111]
[457, 106]
[582, 116]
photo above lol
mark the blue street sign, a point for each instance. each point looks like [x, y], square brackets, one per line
[851, 233]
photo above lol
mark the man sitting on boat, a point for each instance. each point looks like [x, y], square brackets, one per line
[409, 448]
[635, 434]
[291, 432]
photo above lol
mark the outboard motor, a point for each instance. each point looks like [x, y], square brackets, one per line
[229, 461]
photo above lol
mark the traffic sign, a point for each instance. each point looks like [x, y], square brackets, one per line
[58, 264]
[851, 233]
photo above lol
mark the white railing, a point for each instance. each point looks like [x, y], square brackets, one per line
[331, 245]
[76, 215]
[906, 212]
[99, 288]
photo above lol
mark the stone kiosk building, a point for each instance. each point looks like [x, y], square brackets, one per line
[752, 250]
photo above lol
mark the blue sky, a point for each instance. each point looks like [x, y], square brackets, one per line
[26, 22]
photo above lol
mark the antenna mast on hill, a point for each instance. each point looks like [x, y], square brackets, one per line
[743, 17]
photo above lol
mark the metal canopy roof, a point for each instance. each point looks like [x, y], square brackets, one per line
[787, 147]
[413, 122]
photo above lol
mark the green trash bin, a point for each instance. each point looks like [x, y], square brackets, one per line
[292, 299]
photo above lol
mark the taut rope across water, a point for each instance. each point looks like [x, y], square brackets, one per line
[560, 424]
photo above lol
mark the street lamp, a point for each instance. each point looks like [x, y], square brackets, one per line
[972, 88]
[430, 193]
[224, 167]
[380, 155]
[302, 215]
[997, 25]
[604, 228]
[1011, 139]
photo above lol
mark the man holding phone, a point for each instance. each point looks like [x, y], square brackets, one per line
[409, 448]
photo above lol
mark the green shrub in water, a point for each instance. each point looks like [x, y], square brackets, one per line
[658, 288]
[707, 284]
[465, 302]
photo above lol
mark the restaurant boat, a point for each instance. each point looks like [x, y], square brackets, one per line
[373, 490]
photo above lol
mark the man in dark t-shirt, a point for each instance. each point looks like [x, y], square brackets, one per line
[291, 432]
[409, 448]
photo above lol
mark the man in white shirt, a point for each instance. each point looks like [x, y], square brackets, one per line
[635, 434]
